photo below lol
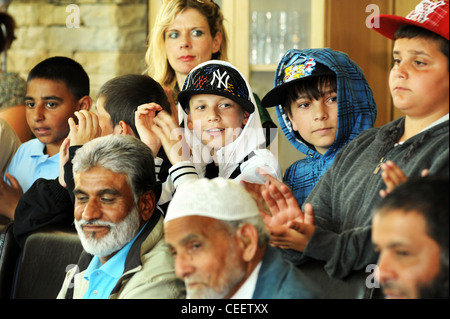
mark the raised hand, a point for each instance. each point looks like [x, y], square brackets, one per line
[63, 159]
[144, 121]
[87, 129]
[172, 138]
[294, 234]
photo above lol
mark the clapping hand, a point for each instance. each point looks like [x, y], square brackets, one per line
[393, 176]
[288, 225]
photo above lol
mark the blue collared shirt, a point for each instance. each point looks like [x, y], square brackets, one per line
[30, 163]
[103, 278]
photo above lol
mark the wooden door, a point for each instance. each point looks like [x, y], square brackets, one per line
[347, 31]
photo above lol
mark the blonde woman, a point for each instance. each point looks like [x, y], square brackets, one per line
[187, 33]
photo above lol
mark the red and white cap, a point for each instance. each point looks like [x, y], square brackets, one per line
[428, 14]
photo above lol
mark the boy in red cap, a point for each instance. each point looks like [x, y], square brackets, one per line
[335, 225]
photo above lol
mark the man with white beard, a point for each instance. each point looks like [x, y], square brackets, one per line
[119, 225]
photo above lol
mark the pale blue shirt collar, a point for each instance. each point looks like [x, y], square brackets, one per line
[103, 278]
[38, 165]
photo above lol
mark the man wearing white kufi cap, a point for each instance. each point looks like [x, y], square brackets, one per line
[220, 245]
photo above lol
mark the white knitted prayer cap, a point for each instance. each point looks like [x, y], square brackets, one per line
[216, 198]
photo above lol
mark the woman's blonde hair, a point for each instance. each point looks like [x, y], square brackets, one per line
[156, 56]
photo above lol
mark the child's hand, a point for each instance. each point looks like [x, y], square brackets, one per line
[281, 201]
[144, 121]
[9, 196]
[294, 236]
[255, 190]
[87, 129]
[393, 176]
[172, 138]
[63, 159]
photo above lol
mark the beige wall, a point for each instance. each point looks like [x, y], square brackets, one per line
[110, 39]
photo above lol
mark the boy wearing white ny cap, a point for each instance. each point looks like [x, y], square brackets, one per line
[220, 245]
[220, 131]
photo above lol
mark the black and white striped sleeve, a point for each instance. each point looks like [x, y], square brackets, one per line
[182, 172]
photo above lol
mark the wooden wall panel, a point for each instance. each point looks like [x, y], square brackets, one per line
[347, 32]
[403, 7]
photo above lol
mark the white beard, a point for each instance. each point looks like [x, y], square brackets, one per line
[118, 236]
[234, 274]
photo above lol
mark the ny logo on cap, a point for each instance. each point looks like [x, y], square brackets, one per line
[220, 79]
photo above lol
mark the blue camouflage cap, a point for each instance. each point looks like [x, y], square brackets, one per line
[292, 69]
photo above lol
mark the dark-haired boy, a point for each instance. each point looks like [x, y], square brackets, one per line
[117, 102]
[323, 101]
[56, 88]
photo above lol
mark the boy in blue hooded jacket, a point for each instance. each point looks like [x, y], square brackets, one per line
[323, 101]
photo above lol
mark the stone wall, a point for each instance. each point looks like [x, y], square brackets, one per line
[108, 37]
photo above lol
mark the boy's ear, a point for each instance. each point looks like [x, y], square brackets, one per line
[85, 103]
[123, 129]
[246, 116]
[189, 122]
[294, 125]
